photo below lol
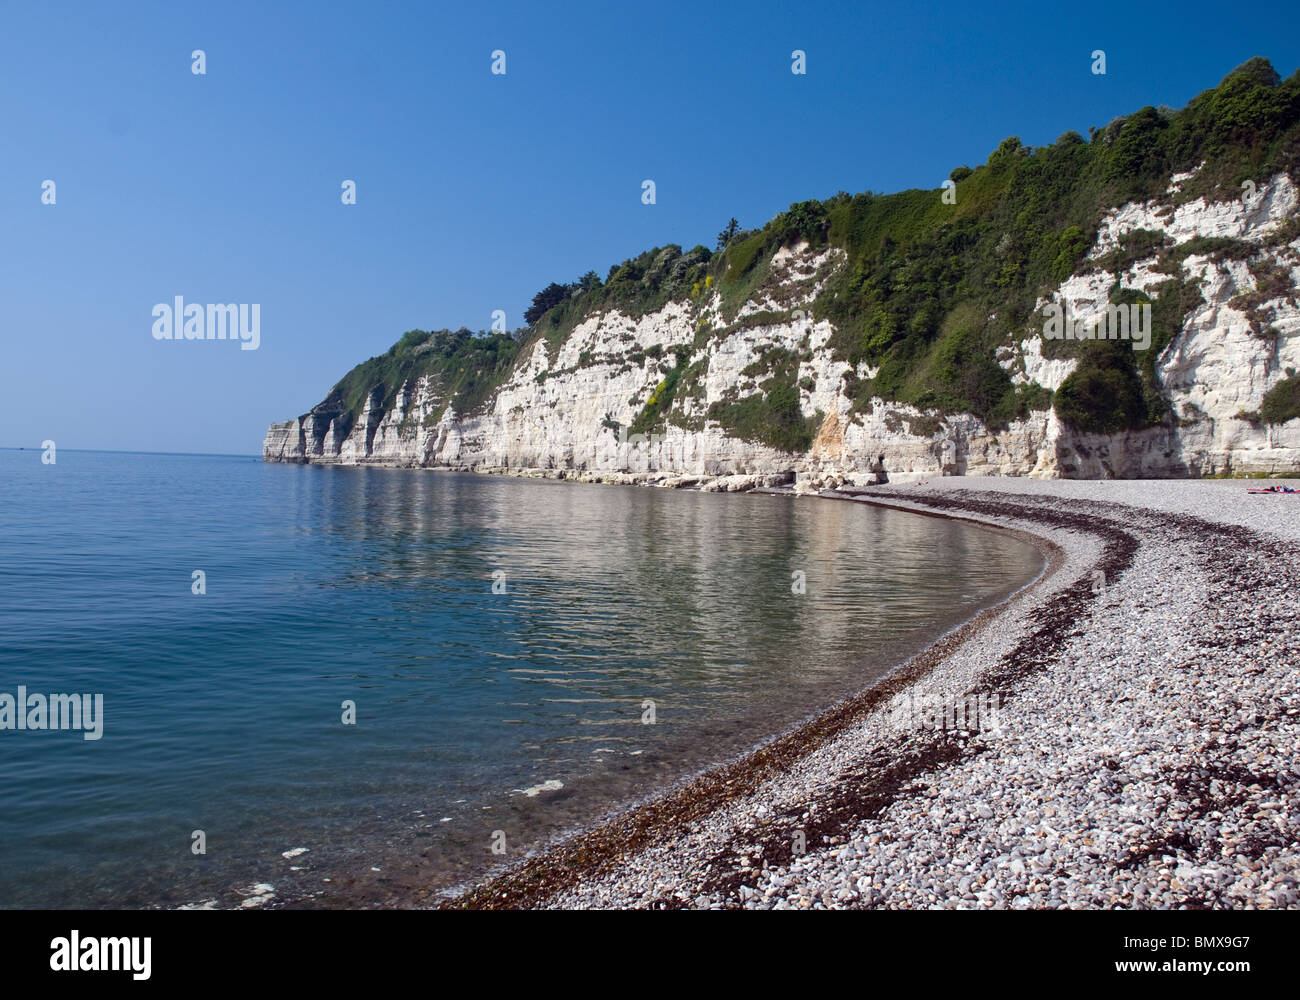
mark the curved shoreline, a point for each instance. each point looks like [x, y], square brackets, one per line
[852, 787]
[449, 862]
[594, 851]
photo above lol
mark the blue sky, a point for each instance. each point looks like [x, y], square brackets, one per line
[473, 190]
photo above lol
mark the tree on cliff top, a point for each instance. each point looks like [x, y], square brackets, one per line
[550, 296]
[727, 233]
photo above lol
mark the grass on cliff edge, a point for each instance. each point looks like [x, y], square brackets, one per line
[467, 369]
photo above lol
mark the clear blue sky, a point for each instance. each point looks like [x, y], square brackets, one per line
[474, 190]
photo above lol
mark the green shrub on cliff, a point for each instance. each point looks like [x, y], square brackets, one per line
[1282, 402]
[1104, 394]
[468, 368]
[771, 415]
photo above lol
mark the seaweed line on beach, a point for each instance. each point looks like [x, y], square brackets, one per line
[889, 774]
[1186, 788]
[599, 850]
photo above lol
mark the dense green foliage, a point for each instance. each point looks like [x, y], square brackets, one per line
[772, 415]
[929, 290]
[545, 300]
[467, 367]
[1282, 402]
[637, 286]
[651, 417]
[1105, 393]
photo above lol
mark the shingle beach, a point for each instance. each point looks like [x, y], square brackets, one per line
[1143, 752]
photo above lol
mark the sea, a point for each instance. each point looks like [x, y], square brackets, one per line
[326, 686]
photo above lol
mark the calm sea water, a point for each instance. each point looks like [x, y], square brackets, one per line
[223, 711]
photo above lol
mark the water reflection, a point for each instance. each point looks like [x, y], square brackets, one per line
[374, 585]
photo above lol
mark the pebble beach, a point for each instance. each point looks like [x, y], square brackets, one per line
[1143, 749]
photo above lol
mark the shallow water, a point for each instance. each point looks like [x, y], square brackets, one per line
[223, 711]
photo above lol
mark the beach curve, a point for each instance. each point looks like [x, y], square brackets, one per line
[1162, 774]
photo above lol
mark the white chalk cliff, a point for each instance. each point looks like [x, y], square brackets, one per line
[553, 416]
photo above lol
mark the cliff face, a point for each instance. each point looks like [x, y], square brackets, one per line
[569, 414]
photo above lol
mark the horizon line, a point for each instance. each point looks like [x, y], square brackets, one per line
[135, 451]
